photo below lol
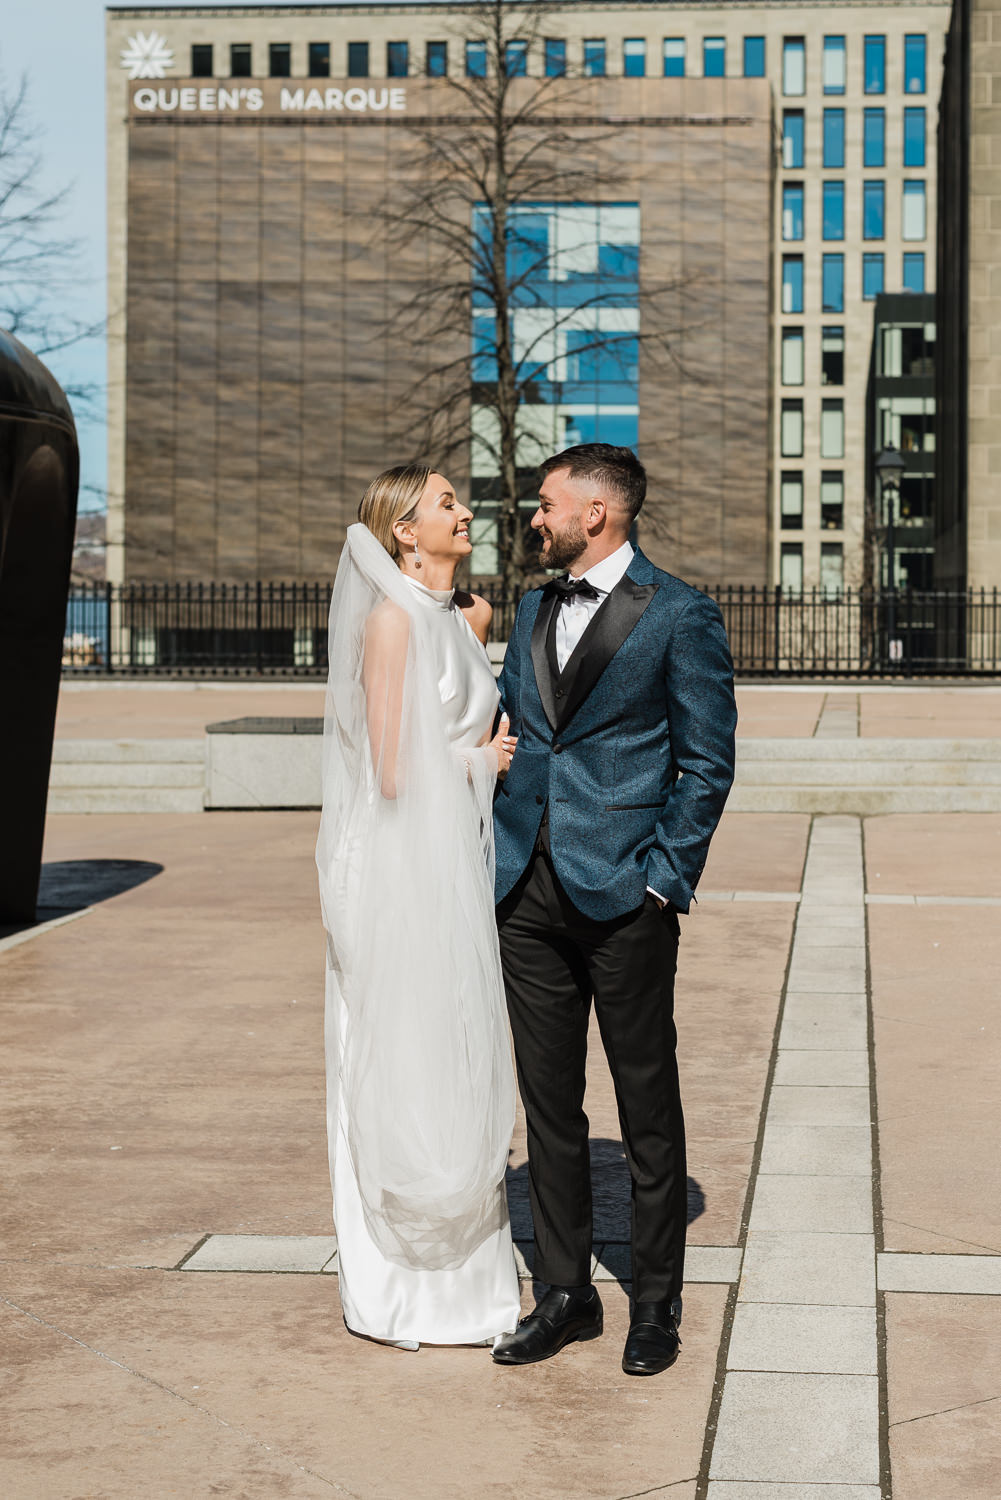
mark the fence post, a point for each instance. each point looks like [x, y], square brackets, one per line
[257, 632]
[777, 638]
[107, 625]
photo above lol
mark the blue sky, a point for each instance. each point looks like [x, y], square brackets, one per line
[59, 44]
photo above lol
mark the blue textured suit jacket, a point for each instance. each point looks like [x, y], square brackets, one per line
[632, 747]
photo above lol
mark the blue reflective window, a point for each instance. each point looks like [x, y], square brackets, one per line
[516, 59]
[484, 347]
[476, 59]
[834, 68]
[634, 57]
[915, 63]
[792, 283]
[674, 57]
[874, 137]
[914, 137]
[437, 59]
[397, 59]
[594, 57]
[873, 210]
[714, 57]
[754, 57]
[872, 275]
[834, 211]
[833, 283]
[357, 59]
[792, 138]
[555, 57]
[874, 65]
[792, 211]
[914, 270]
[793, 65]
[834, 138]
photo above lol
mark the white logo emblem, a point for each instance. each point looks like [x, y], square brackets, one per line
[147, 56]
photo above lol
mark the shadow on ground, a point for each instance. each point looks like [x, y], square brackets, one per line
[610, 1187]
[70, 885]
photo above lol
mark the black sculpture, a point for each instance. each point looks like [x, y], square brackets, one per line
[39, 471]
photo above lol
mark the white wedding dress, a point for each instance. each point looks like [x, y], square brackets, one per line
[420, 1089]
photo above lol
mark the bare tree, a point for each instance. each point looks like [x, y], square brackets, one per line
[505, 142]
[39, 263]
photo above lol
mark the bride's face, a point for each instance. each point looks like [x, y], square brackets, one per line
[441, 527]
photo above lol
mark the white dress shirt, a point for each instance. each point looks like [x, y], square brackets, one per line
[575, 614]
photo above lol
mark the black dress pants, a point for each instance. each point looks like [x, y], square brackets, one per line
[555, 959]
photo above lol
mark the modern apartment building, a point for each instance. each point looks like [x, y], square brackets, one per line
[779, 154]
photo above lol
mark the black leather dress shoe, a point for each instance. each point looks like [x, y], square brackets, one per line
[560, 1318]
[653, 1342]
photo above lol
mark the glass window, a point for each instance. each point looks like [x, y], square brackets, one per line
[793, 65]
[908, 349]
[792, 356]
[791, 500]
[397, 59]
[357, 59]
[792, 138]
[792, 429]
[874, 65]
[915, 54]
[240, 60]
[874, 137]
[833, 283]
[476, 59]
[832, 429]
[914, 270]
[319, 59]
[791, 575]
[714, 57]
[280, 59]
[872, 275]
[792, 211]
[914, 137]
[594, 57]
[834, 138]
[873, 210]
[792, 283]
[436, 59]
[754, 57]
[832, 500]
[834, 211]
[834, 65]
[674, 57]
[201, 60]
[555, 57]
[832, 567]
[516, 59]
[913, 225]
[634, 57]
[832, 356]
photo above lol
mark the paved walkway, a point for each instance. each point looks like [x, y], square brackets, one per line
[164, 1103]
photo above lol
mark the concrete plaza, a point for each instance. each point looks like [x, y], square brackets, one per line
[837, 1006]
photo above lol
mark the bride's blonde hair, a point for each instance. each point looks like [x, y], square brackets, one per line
[393, 497]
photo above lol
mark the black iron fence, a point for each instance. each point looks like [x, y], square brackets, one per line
[280, 629]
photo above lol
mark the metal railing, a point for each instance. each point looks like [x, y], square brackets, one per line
[280, 629]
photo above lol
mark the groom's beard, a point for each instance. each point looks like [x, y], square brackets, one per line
[566, 546]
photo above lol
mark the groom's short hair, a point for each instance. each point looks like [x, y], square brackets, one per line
[611, 468]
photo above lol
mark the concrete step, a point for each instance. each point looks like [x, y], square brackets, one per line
[868, 750]
[863, 800]
[148, 799]
[128, 774]
[868, 773]
[124, 752]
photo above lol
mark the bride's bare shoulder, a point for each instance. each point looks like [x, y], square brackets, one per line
[387, 627]
[477, 610]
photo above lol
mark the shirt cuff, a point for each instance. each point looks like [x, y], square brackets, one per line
[662, 899]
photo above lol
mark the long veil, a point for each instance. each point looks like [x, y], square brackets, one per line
[416, 1030]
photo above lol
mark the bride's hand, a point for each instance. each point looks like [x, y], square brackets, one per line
[504, 745]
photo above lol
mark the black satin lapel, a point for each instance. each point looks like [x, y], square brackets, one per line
[600, 641]
[540, 657]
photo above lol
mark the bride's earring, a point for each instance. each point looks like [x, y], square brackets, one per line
[417, 558]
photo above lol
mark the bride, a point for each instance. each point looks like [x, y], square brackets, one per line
[420, 1089]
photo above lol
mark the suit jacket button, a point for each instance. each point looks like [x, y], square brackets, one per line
[538, 798]
[559, 693]
[557, 749]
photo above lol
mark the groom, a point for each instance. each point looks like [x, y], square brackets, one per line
[619, 683]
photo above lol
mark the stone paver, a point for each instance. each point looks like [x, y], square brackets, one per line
[978, 1274]
[798, 1429]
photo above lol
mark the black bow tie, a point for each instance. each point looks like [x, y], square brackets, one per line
[575, 588]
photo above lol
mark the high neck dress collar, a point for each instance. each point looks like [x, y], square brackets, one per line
[441, 597]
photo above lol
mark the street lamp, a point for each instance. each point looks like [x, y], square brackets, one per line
[889, 466]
